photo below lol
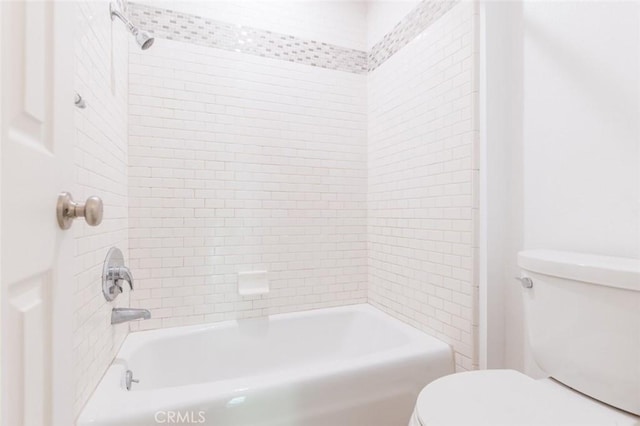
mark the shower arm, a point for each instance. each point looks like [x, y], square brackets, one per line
[116, 13]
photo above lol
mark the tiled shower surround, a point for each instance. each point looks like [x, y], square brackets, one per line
[172, 25]
[420, 18]
[242, 163]
[179, 26]
[422, 176]
[100, 158]
[348, 175]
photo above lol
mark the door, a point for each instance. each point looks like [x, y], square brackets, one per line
[36, 296]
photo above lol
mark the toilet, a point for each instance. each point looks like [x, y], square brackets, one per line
[582, 315]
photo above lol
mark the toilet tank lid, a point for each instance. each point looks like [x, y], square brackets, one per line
[618, 272]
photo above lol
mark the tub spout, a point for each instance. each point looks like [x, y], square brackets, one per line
[120, 315]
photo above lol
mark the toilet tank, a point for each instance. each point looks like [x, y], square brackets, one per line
[583, 319]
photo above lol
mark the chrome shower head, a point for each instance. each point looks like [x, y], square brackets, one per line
[143, 39]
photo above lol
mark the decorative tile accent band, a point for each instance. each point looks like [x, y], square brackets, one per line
[419, 19]
[172, 25]
[188, 28]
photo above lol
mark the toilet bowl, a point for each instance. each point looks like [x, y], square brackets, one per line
[582, 316]
[510, 398]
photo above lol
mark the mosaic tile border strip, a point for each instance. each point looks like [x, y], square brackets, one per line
[416, 21]
[172, 25]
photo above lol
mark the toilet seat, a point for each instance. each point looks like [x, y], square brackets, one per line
[507, 397]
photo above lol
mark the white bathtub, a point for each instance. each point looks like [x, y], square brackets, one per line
[344, 366]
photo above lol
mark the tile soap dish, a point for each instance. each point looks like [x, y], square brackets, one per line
[252, 283]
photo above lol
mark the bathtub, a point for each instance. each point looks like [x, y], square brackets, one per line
[351, 365]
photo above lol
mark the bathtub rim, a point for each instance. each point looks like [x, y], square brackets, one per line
[137, 338]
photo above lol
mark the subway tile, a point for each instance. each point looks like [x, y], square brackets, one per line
[296, 229]
[421, 189]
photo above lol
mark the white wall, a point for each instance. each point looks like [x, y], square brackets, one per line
[101, 169]
[501, 182]
[336, 22]
[241, 163]
[573, 168]
[421, 179]
[581, 129]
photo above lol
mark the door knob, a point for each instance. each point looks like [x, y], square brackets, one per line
[67, 210]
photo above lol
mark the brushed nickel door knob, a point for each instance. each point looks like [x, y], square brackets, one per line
[67, 210]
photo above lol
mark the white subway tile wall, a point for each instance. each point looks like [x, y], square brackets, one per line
[422, 139]
[242, 163]
[416, 21]
[101, 169]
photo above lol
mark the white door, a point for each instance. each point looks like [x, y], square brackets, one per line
[36, 121]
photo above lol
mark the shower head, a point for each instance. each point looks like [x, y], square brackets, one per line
[143, 39]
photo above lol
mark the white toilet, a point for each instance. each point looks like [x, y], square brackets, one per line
[583, 320]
